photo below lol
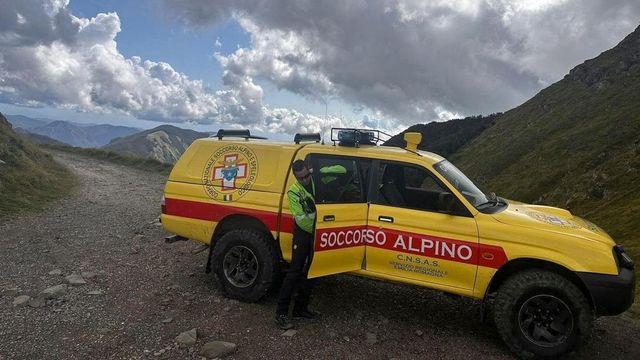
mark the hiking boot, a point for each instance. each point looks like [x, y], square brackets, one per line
[282, 321]
[305, 313]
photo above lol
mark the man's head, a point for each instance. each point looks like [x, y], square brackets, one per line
[301, 172]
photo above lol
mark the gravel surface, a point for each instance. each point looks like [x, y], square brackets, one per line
[132, 294]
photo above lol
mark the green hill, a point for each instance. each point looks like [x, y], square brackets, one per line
[29, 178]
[164, 143]
[445, 138]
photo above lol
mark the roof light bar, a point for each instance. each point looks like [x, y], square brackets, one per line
[356, 137]
[243, 133]
[306, 137]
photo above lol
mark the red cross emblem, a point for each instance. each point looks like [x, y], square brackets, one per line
[229, 172]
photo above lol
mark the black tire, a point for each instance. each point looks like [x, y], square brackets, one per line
[245, 264]
[540, 314]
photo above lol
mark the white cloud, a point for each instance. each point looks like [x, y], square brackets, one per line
[400, 62]
[414, 60]
[50, 57]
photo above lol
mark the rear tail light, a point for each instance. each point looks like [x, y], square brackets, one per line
[622, 258]
[163, 205]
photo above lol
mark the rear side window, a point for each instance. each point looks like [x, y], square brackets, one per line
[340, 179]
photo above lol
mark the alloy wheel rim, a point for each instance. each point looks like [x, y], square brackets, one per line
[240, 266]
[545, 320]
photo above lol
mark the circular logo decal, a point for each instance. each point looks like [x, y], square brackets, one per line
[230, 172]
[552, 219]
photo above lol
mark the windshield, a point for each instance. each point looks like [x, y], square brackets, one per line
[461, 182]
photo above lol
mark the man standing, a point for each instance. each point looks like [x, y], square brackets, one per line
[301, 203]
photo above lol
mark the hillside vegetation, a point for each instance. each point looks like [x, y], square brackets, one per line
[445, 138]
[29, 178]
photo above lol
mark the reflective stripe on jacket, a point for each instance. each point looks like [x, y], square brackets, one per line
[302, 206]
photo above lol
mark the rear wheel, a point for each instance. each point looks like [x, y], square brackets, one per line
[245, 264]
[540, 314]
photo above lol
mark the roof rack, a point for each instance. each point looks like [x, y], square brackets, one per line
[244, 133]
[355, 137]
[306, 137]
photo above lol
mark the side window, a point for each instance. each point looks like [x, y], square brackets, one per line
[413, 187]
[340, 179]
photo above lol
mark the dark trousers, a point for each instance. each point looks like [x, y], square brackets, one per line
[296, 277]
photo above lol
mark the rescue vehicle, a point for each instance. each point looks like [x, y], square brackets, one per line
[403, 215]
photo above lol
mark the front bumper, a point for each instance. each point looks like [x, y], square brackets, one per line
[611, 294]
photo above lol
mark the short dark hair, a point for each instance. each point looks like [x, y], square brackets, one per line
[298, 165]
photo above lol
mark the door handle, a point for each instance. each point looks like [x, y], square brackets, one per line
[388, 219]
[329, 218]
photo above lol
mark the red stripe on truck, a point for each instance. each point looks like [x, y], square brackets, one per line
[338, 238]
[411, 243]
[215, 212]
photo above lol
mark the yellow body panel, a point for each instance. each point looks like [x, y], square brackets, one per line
[342, 259]
[201, 193]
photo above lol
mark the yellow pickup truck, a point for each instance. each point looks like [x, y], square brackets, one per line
[403, 215]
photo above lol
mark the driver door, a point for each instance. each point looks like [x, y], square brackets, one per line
[341, 204]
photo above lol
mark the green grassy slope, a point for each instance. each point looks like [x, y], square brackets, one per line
[575, 145]
[29, 178]
[445, 138]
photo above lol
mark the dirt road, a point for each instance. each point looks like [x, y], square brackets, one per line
[140, 293]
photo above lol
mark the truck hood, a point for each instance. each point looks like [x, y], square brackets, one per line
[552, 219]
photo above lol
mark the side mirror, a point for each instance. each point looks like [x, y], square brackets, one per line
[446, 202]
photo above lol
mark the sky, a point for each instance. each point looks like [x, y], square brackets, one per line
[278, 66]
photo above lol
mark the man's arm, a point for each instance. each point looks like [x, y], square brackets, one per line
[304, 221]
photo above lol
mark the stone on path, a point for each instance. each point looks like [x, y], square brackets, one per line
[371, 338]
[217, 349]
[12, 291]
[21, 300]
[289, 333]
[54, 292]
[187, 338]
[75, 279]
[88, 274]
[37, 302]
[95, 292]
[167, 320]
[55, 272]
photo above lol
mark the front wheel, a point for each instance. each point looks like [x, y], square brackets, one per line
[540, 314]
[245, 264]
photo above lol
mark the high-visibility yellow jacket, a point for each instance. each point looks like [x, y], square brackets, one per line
[302, 206]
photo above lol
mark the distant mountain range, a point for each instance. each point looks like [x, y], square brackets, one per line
[164, 143]
[37, 138]
[75, 134]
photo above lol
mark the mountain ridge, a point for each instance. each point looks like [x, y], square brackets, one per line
[75, 134]
[164, 143]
